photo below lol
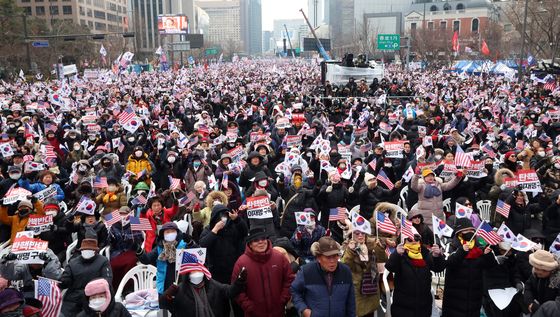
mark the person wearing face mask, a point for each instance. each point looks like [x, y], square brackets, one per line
[109, 167]
[163, 256]
[221, 238]
[333, 194]
[413, 264]
[18, 221]
[100, 302]
[123, 241]
[111, 198]
[539, 159]
[223, 169]
[81, 223]
[200, 295]
[169, 165]
[262, 182]
[77, 153]
[14, 174]
[57, 236]
[305, 236]
[464, 269]
[79, 271]
[255, 164]
[198, 171]
[201, 206]
[138, 162]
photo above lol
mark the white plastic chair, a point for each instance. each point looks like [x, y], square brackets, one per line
[143, 277]
[63, 207]
[404, 195]
[388, 293]
[70, 250]
[484, 209]
[106, 251]
[447, 205]
[5, 251]
[4, 245]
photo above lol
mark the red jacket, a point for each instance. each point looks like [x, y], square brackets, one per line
[269, 277]
[168, 214]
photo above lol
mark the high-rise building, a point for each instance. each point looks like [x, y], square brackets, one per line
[144, 18]
[251, 26]
[293, 26]
[100, 16]
[267, 39]
[224, 27]
[316, 12]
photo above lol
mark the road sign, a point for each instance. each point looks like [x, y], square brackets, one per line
[40, 43]
[211, 51]
[179, 46]
[388, 42]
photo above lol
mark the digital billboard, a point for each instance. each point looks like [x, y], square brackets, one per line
[173, 24]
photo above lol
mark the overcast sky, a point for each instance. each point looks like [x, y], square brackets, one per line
[281, 9]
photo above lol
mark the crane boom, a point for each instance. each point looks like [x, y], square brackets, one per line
[319, 45]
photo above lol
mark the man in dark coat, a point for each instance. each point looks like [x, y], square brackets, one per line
[255, 164]
[551, 222]
[462, 295]
[79, 272]
[222, 239]
[371, 194]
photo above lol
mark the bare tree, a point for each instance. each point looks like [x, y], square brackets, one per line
[543, 25]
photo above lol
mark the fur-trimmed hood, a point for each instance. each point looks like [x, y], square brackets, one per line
[216, 195]
[499, 179]
[382, 207]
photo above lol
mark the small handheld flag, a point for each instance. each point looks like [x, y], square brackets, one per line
[385, 224]
[140, 224]
[336, 214]
[382, 177]
[502, 208]
[486, 232]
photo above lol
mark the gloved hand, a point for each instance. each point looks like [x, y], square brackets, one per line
[170, 292]
[519, 287]
[138, 249]
[351, 189]
[54, 228]
[45, 257]
[9, 257]
[329, 189]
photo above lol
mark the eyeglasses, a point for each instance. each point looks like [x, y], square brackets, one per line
[359, 233]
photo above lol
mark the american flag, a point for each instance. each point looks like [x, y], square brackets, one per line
[174, 183]
[550, 84]
[47, 291]
[382, 177]
[140, 224]
[502, 208]
[485, 231]
[336, 214]
[126, 115]
[189, 263]
[50, 127]
[373, 164]
[225, 180]
[112, 218]
[461, 158]
[385, 224]
[49, 153]
[141, 173]
[139, 200]
[100, 182]
[407, 229]
[389, 250]
[489, 150]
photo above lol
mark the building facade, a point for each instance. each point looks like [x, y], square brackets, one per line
[100, 16]
[224, 27]
[251, 26]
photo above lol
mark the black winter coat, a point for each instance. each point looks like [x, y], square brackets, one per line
[223, 248]
[549, 309]
[336, 198]
[412, 295]
[463, 283]
[58, 236]
[305, 199]
[538, 289]
[114, 310]
[218, 295]
[519, 216]
[99, 228]
[77, 273]
[551, 222]
[370, 197]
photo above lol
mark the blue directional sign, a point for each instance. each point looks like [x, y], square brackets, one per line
[40, 43]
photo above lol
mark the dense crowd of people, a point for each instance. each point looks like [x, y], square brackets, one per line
[303, 196]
